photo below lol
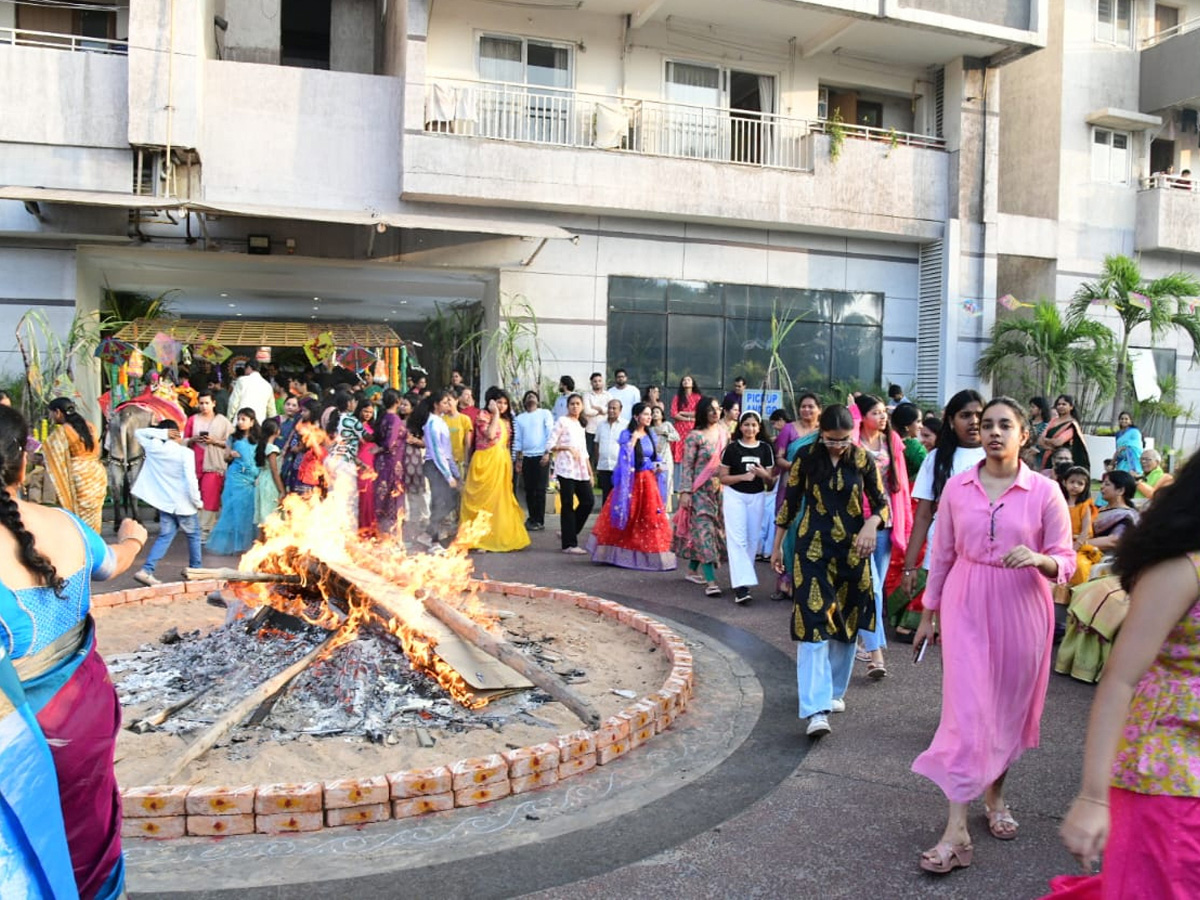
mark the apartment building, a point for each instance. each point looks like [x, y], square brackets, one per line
[1097, 131]
[657, 178]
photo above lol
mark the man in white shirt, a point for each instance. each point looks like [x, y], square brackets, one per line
[608, 446]
[168, 483]
[627, 393]
[595, 405]
[252, 391]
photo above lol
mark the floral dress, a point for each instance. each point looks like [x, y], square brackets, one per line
[700, 534]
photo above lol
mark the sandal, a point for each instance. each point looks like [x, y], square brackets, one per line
[876, 670]
[946, 857]
[713, 590]
[695, 578]
[862, 656]
[1001, 824]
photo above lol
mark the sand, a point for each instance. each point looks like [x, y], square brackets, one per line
[613, 656]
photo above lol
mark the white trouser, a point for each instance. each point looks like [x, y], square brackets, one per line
[743, 525]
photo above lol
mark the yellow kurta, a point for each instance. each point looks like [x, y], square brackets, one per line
[489, 489]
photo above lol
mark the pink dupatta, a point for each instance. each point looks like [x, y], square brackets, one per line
[902, 512]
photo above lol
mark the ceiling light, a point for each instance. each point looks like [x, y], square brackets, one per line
[316, 308]
[312, 317]
[238, 314]
[232, 305]
[316, 299]
[223, 294]
[403, 301]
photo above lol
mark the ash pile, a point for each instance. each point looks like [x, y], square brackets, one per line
[364, 690]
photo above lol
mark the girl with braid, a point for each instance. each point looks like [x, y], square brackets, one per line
[72, 454]
[60, 812]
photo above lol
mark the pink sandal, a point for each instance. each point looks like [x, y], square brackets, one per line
[1001, 823]
[946, 857]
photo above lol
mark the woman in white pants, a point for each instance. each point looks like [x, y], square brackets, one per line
[748, 473]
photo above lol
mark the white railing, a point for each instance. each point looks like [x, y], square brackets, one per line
[1173, 182]
[518, 112]
[25, 38]
[880, 135]
[1168, 33]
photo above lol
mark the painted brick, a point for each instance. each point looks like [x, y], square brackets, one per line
[421, 782]
[221, 801]
[643, 734]
[283, 799]
[605, 755]
[639, 715]
[577, 766]
[640, 622]
[219, 826]
[625, 615]
[663, 701]
[358, 815]
[486, 793]
[289, 822]
[534, 781]
[682, 659]
[607, 608]
[611, 730]
[346, 792]
[478, 771]
[154, 800]
[576, 744]
[529, 760]
[161, 827]
[666, 721]
[418, 806]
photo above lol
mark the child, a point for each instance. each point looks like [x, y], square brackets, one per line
[268, 487]
[1076, 487]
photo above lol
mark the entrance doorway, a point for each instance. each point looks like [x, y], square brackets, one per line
[1162, 156]
[750, 96]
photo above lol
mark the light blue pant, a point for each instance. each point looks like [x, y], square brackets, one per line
[169, 525]
[880, 560]
[822, 674]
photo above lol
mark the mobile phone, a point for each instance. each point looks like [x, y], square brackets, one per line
[920, 654]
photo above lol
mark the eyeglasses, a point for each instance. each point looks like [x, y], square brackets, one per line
[992, 525]
[836, 442]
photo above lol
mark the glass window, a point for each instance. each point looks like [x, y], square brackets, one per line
[1110, 156]
[858, 309]
[701, 297]
[695, 346]
[1114, 22]
[500, 59]
[642, 294]
[747, 350]
[548, 65]
[857, 354]
[638, 344]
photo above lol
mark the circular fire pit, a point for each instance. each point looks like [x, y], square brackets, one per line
[328, 799]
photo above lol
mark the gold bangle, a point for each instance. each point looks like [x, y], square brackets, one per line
[1093, 800]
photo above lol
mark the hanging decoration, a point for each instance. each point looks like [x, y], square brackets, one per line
[973, 308]
[319, 348]
[213, 352]
[1011, 303]
[356, 357]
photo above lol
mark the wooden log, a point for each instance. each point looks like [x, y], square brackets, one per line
[223, 725]
[149, 723]
[223, 574]
[513, 658]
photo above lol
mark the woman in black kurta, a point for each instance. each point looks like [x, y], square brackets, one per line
[833, 595]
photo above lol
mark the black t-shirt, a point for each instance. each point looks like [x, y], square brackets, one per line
[738, 458]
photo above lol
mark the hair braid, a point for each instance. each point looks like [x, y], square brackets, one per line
[13, 434]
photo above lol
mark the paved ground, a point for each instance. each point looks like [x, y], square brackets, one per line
[738, 804]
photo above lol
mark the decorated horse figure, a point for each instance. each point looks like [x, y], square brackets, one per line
[125, 456]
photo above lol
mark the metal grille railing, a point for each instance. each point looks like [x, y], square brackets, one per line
[517, 112]
[23, 37]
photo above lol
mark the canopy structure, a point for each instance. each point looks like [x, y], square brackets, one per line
[259, 333]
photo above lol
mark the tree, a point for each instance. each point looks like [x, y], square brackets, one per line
[1045, 351]
[1164, 304]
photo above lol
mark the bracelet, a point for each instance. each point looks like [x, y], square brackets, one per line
[908, 571]
[140, 544]
[1087, 799]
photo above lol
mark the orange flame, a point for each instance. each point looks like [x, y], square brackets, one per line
[309, 530]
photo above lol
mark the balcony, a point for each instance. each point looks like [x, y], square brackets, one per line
[1168, 215]
[1170, 68]
[521, 145]
[24, 38]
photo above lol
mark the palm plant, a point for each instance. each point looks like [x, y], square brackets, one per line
[1164, 304]
[454, 336]
[1045, 352]
[516, 345]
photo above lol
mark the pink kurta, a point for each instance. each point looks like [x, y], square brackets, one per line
[997, 626]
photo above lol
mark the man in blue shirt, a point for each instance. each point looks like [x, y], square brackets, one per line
[566, 387]
[168, 483]
[530, 439]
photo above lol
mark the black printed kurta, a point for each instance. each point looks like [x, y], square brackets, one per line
[833, 596]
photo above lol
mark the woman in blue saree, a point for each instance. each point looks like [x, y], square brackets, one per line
[60, 809]
[1128, 455]
[235, 531]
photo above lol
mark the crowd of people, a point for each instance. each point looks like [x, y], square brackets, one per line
[958, 527]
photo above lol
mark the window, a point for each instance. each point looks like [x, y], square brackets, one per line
[520, 61]
[304, 35]
[1110, 156]
[661, 329]
[1166, 18]
[531, 101]
[1114, 22]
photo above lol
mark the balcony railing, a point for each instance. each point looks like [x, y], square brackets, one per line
[1168, 33]
[1173, 182]
[881, 135]
[564, 118]
[77, 42]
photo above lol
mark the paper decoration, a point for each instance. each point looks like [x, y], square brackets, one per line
[136, 365]
[213, 352]
[972, 308]
[163, 349]
[356, 358]
[1141, 301]
[113, 352]
[1009, 302]
[319, 348]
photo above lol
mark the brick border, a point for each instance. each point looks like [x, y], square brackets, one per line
[173, 811]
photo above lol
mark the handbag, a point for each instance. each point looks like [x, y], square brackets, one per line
[1097, 611]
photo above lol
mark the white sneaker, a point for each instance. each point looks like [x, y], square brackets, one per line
[144, 577]
[837, 705]
[818, 725]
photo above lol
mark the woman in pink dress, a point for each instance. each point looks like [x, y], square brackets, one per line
[1003, 535]
[683, 414]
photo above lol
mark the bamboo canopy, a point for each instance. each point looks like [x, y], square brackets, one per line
[259, 333]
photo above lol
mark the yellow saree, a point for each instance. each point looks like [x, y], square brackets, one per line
[77, 473]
